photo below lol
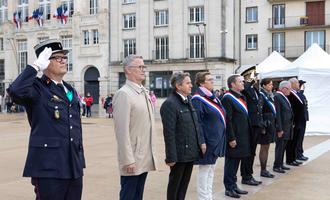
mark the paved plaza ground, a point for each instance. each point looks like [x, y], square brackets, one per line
[101, 180]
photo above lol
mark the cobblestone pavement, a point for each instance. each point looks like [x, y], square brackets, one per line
[101, 180]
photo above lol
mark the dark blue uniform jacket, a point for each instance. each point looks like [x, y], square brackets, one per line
[55, 145]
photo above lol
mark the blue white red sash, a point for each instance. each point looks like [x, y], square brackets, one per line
[237, 101]
[212, 105]
[296, 95]
[286, 98]
[270, 103]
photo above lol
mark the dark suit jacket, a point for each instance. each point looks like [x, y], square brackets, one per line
[304, 99]
[238, 128]
[55, 146]
[181, 130]
[297, 105]
[284, 116]
[255, 103]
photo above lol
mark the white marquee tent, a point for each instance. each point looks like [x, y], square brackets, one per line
[313, 66]
[273, 62]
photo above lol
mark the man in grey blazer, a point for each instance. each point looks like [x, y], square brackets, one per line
[134, 127]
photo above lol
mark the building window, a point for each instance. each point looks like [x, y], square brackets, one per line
[23, 8]
[93, 7]
[161, 17]
[95, 36]
[2, 75]
[197, 46]
[129, 47]
[44, 7]
[22, 54]
[86, 37]
[196, 14]
[129, 21]
[1, 44]
[68, 5]
[252, 14]
[162, 48]
[279, 42]
[41, 39]
[251, 42]
[67, 45]
[317, 37]
[278, 15]
[128, 1]
[3, 11]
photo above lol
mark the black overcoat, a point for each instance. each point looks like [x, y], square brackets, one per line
[180, 129]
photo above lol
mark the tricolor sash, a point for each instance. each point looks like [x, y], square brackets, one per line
[237, 101]
[296, 95]
[286, 98]
[213, 106]
[270, 103]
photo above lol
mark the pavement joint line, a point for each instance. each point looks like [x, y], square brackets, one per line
[312, 153]
[317, 150]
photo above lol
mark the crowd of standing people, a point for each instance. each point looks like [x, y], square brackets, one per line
[198, 128]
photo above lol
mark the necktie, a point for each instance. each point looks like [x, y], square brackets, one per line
[60, 85]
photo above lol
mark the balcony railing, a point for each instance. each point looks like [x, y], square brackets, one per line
[294, 51]
[298, 22]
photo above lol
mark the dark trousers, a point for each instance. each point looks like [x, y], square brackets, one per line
[132, 187]
[84, 110]
[300, 140]
[88, 111]
[57, 189]
[179, 180]
[231, 167]
[279, 151]
[247, 162]
[291, 146]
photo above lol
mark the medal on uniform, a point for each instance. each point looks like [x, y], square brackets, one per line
[55, 98]
[56, 113]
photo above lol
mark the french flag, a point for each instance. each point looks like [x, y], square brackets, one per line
[38, 16]
[62, 13]
[17, 18]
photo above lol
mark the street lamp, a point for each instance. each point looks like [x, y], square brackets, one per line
[205, 43]
[13, 46]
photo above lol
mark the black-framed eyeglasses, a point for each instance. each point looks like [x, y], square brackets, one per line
[141, 67]
[59, 58]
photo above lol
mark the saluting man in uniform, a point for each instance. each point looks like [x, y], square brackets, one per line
[55, 159]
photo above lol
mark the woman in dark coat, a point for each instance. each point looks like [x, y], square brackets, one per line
[268, 113]
[211, 117]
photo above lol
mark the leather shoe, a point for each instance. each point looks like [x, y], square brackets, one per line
[278, 170]
[285, 168]
[303, 158]
[298, 162]
[292, 164]
[232, 193]
[239, 191]
[259, 182]
[266, 174]
[250, 181]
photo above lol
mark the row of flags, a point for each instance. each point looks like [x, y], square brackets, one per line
[61, 14]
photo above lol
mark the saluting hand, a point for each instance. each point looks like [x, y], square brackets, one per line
[43, 59]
